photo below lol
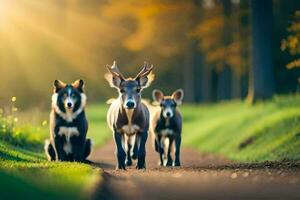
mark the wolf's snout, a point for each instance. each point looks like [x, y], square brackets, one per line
[168, 114]
[70, 105]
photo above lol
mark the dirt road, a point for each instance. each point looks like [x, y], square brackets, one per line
[202, 176]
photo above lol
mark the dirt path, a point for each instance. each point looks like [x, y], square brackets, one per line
[201, 177]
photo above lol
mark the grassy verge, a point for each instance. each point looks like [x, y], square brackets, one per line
[266, 131]
[24, 171]
[27, 174]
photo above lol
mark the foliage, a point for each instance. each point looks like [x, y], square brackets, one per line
[214, 28]
[158, 26]
[292, 42]
[25, 135]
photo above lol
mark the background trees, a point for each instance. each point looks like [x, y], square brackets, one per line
[261, 85]
[210, 48]
[292, 42]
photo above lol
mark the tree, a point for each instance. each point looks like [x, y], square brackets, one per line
[261, 85]
[219, 40]
[225, 75]
[292, 42]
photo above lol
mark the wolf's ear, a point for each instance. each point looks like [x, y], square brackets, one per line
[178, 96]
[79, 85]
[58, 85]
[157, 95]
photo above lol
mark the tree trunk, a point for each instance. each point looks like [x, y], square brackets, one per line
[261, 85]
[188, 72]
[244, 34]
[225, 76]
[224, 84]
[192, 62]
[200, 91]
[236, 86]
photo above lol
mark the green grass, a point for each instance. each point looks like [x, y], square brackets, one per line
[24, 171]
[98, 129]
[266, 131]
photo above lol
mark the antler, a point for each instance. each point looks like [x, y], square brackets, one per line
[145, 71]
[115, 70]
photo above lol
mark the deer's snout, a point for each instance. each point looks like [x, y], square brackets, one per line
[130, 104]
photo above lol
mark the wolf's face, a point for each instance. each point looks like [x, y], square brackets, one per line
[168, 104]
[68, 98]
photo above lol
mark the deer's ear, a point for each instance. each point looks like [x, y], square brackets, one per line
[114, 77]
[178, 96]
[79, 85]
[58, 85]
[146, 81]
[114, 81]
[146, 76]
[157, 95]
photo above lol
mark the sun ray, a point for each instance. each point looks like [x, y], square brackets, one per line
[38, 28]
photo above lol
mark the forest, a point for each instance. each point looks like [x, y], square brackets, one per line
[214, 50]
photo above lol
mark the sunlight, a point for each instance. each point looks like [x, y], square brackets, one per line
[5, 7]
[27, 25]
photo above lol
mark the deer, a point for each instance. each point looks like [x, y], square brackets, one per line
[128, 117]
[166, 126]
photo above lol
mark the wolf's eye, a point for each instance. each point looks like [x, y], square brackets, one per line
[138, 90]
[122, 90]
[73, 95]
[65, 95]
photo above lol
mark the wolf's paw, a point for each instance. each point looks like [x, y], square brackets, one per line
[49, 150]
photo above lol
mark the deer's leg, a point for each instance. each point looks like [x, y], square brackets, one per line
[134, 153]
[128, 156]
[142, 139]
[129, 146]
[120, 153]
[177, 151]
